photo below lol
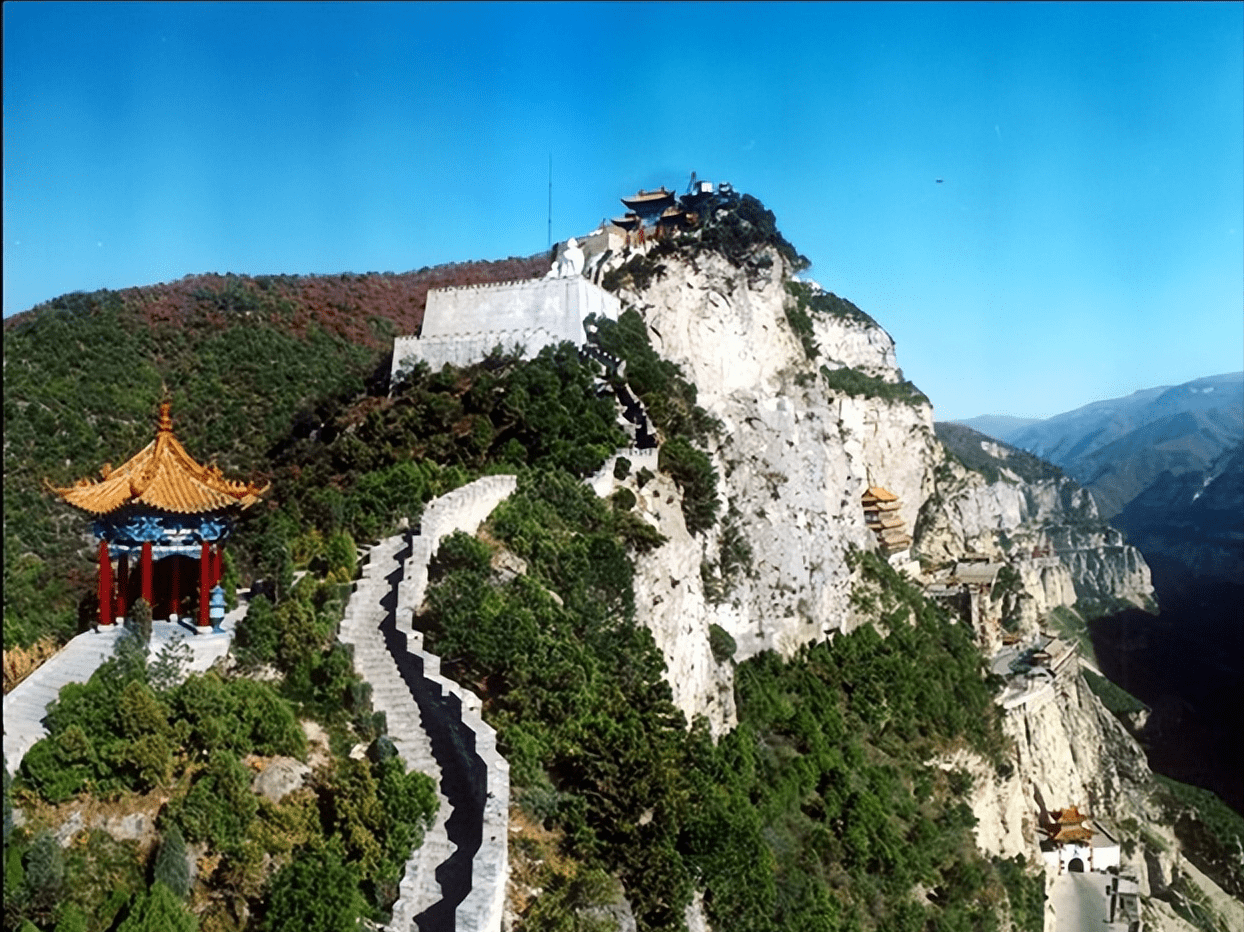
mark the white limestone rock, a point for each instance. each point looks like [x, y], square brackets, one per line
[794, 460]
[279, 778]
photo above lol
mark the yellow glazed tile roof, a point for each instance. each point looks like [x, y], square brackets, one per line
[162, 475]
[880, 494]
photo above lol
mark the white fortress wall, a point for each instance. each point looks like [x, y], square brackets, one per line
[462, 325]
[444, 707]
[465, 509]
[555, 304]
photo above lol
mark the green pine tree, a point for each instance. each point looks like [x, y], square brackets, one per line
[159, 910]
[172, 867]
[139, 621]
[72, 919]
[314, 893]
[45, 874]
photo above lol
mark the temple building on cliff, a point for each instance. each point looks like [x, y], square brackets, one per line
[881, 515]
[163, 519]
[1072, 845]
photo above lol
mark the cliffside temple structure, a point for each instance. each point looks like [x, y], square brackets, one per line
[881, 514]
[1074, 846]
[164, 518]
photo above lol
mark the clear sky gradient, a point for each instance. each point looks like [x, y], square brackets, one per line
[1086, 241]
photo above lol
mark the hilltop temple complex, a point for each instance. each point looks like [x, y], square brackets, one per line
[462, 325]
[163, 518]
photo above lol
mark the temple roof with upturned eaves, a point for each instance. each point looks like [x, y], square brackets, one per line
[878, 494]
[161, 476]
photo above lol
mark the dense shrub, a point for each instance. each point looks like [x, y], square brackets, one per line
[721, 643]
[316, 892]
[853, 382]
[159, 910]
[695, 475]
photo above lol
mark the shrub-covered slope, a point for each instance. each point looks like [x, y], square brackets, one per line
[240, 358]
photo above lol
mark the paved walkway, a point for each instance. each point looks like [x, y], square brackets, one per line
[26, 706]
[371, 607]
[1080, 901]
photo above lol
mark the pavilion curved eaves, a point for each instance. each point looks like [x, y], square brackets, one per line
[163, 509]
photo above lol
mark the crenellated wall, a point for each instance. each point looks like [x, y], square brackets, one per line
[456, 880]
[462, 325]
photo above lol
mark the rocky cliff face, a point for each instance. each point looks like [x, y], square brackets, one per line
[794, 458]
[795, 455]
[1049, 530]
[797, 450]
[1069, 749]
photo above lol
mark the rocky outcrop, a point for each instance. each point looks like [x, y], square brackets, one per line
[794, 458]
[1048, 530]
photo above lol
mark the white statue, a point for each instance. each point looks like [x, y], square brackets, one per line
[569, 263]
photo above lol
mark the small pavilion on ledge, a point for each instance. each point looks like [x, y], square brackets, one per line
[163, 518]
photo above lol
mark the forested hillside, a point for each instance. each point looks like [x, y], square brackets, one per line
[242, 359]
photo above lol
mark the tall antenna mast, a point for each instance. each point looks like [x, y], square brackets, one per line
[550, 243]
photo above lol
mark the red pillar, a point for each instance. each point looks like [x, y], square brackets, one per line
[205, 573]
[123, 585]
[147, 572]
[105, 584]
[174, 595]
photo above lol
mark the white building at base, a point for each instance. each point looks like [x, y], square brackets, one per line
[1070, 845]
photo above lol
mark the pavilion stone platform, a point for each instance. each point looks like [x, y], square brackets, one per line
[25, 707]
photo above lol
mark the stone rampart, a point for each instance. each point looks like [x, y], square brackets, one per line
[461, 325]
[467, 348]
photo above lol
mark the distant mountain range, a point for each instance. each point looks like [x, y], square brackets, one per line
[1166, 466]
[1118, 448]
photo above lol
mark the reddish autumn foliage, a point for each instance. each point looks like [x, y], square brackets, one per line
[367, 309]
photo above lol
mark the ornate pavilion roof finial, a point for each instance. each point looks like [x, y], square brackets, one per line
[165, 424]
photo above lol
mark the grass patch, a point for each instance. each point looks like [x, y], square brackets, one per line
[857, 384]
[1068, 625]
[1115, 698]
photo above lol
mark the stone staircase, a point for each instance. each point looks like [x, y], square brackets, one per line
[370, 606]
[456, 879]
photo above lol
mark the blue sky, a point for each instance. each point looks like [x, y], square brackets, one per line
[1086, 242]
